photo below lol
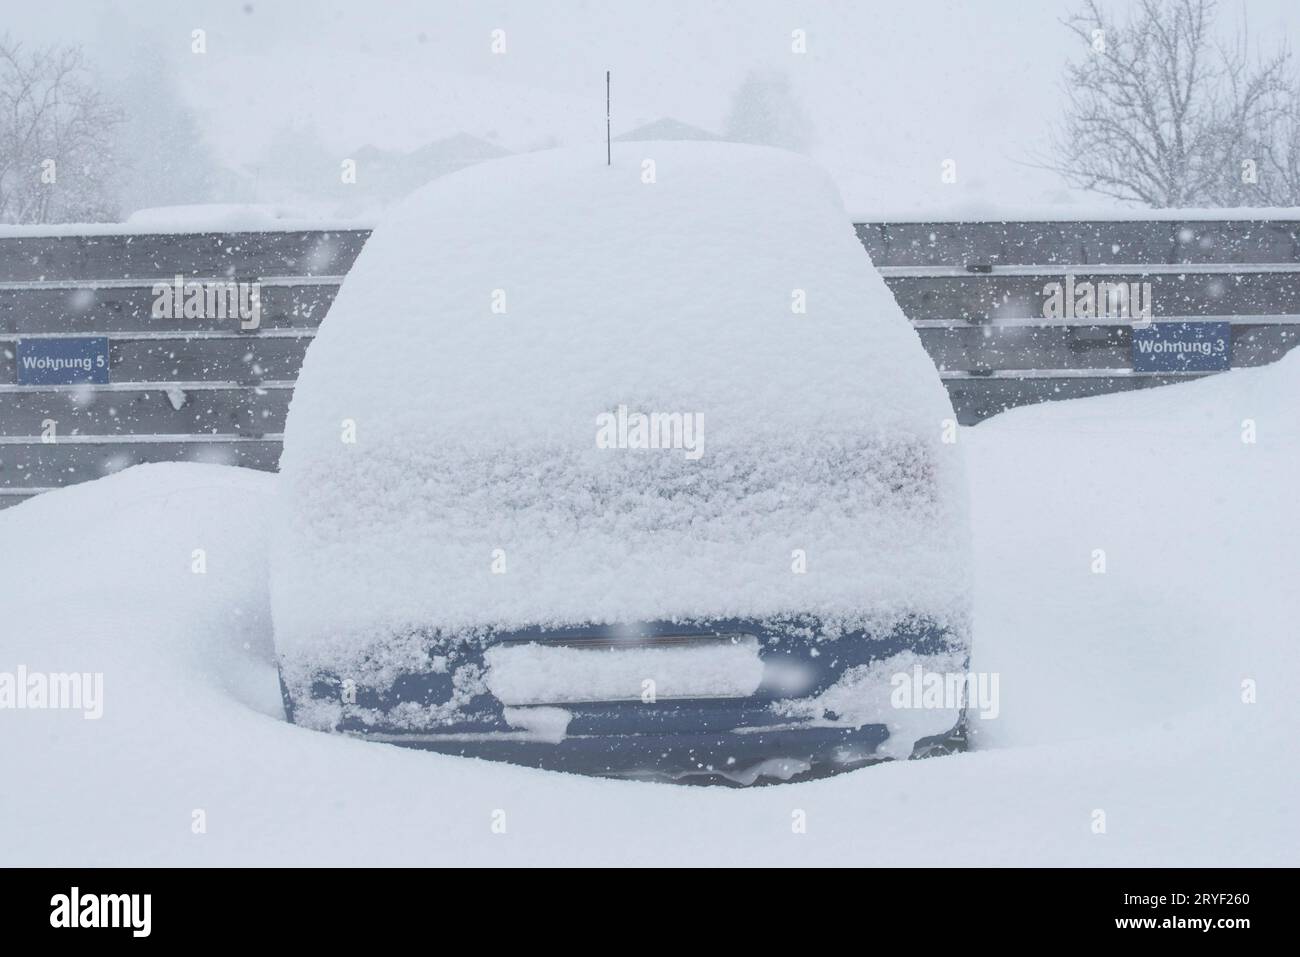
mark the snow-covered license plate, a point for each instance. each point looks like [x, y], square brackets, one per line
[538, 673]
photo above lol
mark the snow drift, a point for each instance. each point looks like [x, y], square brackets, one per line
[1120, 692]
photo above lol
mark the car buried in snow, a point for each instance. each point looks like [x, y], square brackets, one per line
[648, 479]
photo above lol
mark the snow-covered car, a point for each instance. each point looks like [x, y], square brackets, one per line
[633, 470]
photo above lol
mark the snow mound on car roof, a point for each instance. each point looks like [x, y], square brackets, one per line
[489, 322]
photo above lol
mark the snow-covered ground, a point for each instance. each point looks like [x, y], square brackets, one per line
[1120, 692]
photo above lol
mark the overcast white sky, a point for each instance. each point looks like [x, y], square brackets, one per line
[893, 86]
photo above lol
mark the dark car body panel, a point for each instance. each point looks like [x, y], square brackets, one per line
[741, 739]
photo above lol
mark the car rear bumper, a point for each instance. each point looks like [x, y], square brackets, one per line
[741, 737]
[757, 756]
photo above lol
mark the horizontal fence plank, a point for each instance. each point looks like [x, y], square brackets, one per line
[89, 412]
[973, 348]
[39, 465]
[12, 496]
[129, 309]
[241, 255]
[246, 359]
[1010, 322]
[1052, 243]
[976, 399]
[990, 297]
[1119, 269]
[1260, 344]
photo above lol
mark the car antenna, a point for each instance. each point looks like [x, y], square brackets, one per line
[609, 156]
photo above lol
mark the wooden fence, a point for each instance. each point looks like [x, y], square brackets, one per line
[203, 389]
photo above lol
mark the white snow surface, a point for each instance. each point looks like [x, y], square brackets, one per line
[1088, 210]
[220, 216]
[1120, 692]
[864, 694]
[258, 217]
[196, 219]
[476, 430]
[533, 673]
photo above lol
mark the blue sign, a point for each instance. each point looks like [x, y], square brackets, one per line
[1183, 347]
[62, 361]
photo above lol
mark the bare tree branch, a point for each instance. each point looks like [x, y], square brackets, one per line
[1159, 114]
[56, 134]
